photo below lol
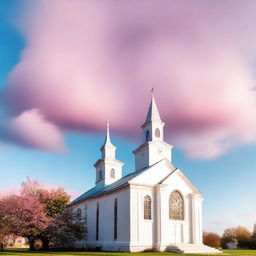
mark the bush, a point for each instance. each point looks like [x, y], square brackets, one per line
[211, 239]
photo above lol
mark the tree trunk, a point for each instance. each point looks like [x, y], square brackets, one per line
[31, 244]
[45, 242]
[1, 247]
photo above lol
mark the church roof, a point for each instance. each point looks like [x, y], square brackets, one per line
[119, 183]
[148, 142]
[100, 161]
[97, 191]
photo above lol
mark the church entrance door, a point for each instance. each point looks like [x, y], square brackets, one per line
[178, 233]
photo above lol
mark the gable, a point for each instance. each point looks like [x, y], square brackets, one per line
[165, 173]
[154, 174]
[179, 177]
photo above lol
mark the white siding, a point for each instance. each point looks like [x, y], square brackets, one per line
[106, 221]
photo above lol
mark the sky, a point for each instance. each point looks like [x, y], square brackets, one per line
[66, 67]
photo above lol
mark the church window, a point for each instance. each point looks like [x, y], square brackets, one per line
[115, 219]
[147, 208]
[86, 213]
[176, 206]
[157, 133]
[79, 214]
[85, 218]
[100, 175]
[97, 221]
[147, 135]
[112, 173]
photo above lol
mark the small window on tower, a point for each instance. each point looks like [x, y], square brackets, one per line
[100, 175]
[147, 135]
[157, 133]
[112, 173]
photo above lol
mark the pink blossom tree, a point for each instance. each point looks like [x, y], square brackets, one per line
[35, 212]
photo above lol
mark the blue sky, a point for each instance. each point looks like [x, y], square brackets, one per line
[226, 181]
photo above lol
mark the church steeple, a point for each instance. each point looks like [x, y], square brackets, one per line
[108, 168]
[153, 148]
[153, 126]
[153, 114]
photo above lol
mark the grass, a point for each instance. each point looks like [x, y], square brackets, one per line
[25, 252]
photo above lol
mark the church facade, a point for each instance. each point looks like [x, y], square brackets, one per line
[154, 207]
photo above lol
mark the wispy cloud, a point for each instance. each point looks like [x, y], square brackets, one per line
[30, 129]
[250, 215]
[89, 61]
[220, 222]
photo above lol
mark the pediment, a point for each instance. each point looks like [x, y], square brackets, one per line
[178, 173]
[154, 174]
[163, 173]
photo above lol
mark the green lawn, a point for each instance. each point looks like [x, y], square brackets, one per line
[25, 252]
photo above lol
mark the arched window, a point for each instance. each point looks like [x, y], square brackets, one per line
[112, 173]
[115, 219]
[147, 208]
[157, 133]
[97, 221]
[176, 206]
[79, 214]
[147, 135]
[100, 175]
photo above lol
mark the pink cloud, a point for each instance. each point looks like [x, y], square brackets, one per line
[250, 215]
[220, 222]
[86, 62]
[30, 129]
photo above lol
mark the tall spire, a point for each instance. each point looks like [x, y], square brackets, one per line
[153, 114]
[108, 168]
[107, 139]
[107, 142]
[108, 149]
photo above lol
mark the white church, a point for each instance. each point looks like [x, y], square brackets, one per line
[155, 207]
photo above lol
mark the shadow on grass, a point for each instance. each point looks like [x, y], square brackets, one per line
[73, 252]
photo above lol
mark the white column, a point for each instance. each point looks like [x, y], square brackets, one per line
[138, 216]
[192, 219]
[157, 216]
[161, 216]
[200, 224]
[196, 220]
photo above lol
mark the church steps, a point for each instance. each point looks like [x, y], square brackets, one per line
[192, 248]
